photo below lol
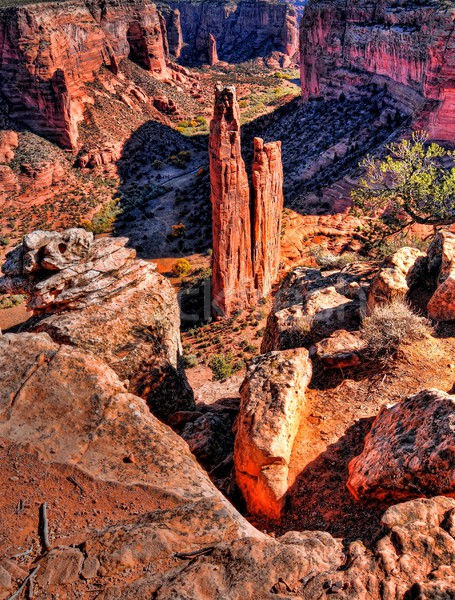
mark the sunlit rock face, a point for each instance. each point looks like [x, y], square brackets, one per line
[407, 44]
[232, 268]
[246, 239]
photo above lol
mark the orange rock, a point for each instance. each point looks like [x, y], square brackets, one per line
[441, 266]
[409, 450]
[273, 399]
[213, 54]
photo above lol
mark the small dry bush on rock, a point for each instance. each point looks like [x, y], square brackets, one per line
[390, 325]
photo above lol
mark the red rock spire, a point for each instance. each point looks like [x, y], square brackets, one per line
[232, 270]
[267, 180]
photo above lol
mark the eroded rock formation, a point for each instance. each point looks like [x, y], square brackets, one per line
[409, 45]
[268, 200]
[312, 305]
[51, 51]
[246, 247]
[441, 271]
[409, 450]
[273, 400]
[232, 268]
[398, 273]
[84, 285]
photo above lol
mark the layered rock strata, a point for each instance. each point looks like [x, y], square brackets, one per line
[273, 400]
[96, 295]
[51, 51]
[246, 242]
[411, 46]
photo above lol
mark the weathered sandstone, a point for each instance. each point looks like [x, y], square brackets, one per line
[409, 450]
[341, 350]
[312, 305]
[396, 276]
[232, 269]
[273, 399]
[268, 200]
[87, 284]
[441, 271]
[137, 558]
[9, 141]
[246, 247]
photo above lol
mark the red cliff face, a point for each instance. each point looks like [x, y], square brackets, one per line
[267, 180]
[246, 250]
[50, 51]
[243, 29]
[232, 270]
[411, 44]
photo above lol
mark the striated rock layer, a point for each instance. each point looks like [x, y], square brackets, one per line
[96, 295]
[346, 44]
[51, 51]
[268, 201]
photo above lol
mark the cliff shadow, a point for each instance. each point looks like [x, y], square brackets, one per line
[164, 193]
[319, 500]
[323, 142]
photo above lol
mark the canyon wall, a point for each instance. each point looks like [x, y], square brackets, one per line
[49, 52]
[246, 245]
[409, 44]
[242, 29]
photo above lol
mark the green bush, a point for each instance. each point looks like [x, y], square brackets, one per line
[221, 366]
[189, 360]
[328, 260]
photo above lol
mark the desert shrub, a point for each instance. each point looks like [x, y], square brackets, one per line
[104, 219]
[181, 267]
[328, 260]
[4, 240]
[221, 366]
[8, 301]
[394, 243]
[189, 360]
[389, 325]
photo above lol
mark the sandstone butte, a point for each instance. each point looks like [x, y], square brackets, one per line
[407, 47]
[246, 242]
[51, 51]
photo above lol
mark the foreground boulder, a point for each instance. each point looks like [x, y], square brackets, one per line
[409, 452]
[341, 350]
[311, 304]
[96, 295]
[396, 276]
[71, 409]
[441, 269]
[273, 399]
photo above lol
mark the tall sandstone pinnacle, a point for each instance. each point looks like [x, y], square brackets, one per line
[246, 239]
[268, 200]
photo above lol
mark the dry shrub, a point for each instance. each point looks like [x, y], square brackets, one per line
[389, 325]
